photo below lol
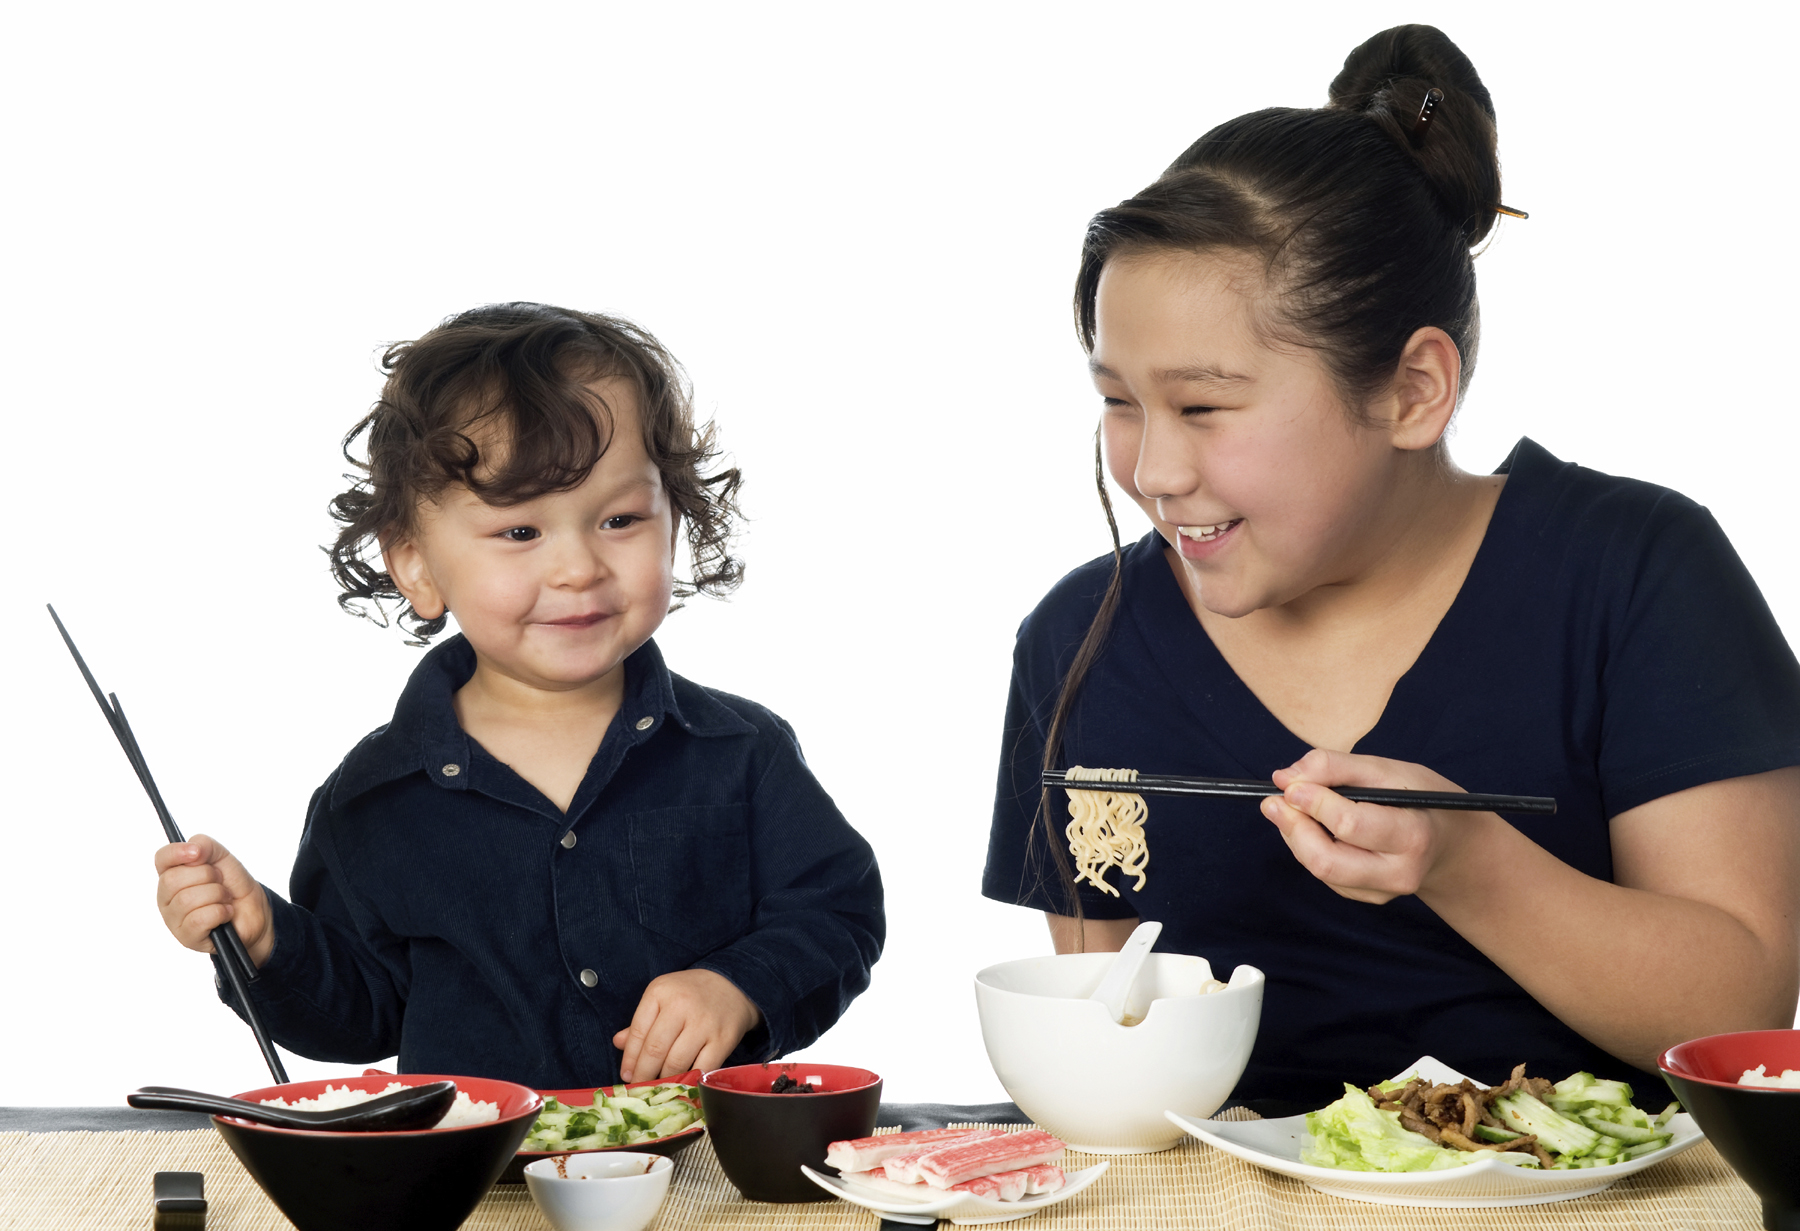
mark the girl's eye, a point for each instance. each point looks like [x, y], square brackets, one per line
[623, 521]
[519, 534]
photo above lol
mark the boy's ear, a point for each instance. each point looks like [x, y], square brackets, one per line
[1426, 384]
[412, 577]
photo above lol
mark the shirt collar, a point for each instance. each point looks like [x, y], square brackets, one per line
[424, 735]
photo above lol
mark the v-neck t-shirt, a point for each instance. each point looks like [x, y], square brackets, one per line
[1607, 648]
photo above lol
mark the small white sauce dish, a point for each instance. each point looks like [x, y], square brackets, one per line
[613, 1191]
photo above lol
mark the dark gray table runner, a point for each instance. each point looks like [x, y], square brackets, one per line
[908, 1116]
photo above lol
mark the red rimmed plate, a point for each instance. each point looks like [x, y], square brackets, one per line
[671, 1145]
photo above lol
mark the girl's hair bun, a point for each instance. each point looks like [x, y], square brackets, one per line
[1387, 79]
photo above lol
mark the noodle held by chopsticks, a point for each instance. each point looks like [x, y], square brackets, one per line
[1106, 829]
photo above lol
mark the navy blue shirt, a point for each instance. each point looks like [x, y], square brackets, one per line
[1607, 648]
[443, 909]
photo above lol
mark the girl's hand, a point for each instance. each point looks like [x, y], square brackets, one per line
[200, 885]
[688, 1019]
[1366, 852]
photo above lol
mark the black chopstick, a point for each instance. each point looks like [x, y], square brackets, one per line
[234, 951]
[1250, 788]
[234, 958]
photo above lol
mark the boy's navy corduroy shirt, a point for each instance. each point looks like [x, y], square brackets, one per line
[444, 910]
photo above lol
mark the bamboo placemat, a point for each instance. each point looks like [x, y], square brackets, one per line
[61, 1181]
[57, 1181]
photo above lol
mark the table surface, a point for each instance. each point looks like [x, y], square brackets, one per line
[90, 1167]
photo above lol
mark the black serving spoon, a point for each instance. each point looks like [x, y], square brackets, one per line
[416, 1107]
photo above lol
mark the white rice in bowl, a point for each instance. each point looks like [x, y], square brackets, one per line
[1789, 1079]
[464, 1111]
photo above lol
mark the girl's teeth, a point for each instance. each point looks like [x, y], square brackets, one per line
[1202, 533]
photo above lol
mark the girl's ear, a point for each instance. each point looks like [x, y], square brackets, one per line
[1426, 384]
[412, 577]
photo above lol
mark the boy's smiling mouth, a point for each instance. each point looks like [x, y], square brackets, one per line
[577, 621]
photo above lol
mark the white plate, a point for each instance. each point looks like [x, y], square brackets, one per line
[1276, 1145]
[964, 1209]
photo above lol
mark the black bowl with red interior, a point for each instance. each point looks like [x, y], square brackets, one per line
[671, 1145]
[763, 1138]
[1755, 1128]
[428, 1180]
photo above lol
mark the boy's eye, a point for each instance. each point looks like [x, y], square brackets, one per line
[1198, 410]
[519, 534]
[621, 522]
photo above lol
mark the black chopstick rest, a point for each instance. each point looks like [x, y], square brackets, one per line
[178, 1199]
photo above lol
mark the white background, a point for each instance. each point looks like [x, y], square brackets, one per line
[857, 225]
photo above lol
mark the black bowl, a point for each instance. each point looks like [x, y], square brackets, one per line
[420, 1181]
[763, 1139]
[1753, 1127]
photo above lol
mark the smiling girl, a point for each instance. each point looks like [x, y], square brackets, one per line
[560, 863]
[1280, 330]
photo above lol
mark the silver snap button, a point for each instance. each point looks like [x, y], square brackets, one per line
[643, 724]
[589, 979]
[568, 841]
[450, 771]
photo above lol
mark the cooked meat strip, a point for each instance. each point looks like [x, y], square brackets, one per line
[1538, 1087]
[1471, 1109]
[1418, 1124]
[1543, 1156]
[1394, 1096]
[1447, 1106]
[1453, 1138]
[1435, 1100]
[1508, 1086]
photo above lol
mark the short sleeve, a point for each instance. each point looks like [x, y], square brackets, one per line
[1698, 683]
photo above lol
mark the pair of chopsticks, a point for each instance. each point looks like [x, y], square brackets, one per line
[1250, 788]
[240, 971]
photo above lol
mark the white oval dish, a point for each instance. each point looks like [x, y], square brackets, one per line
[610, 1191]
[1275, 1145]
[963, 1209]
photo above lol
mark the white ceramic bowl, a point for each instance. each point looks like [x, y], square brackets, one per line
[614, 1191]
[1103, 1087]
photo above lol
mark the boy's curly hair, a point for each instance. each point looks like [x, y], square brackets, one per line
[522, 368]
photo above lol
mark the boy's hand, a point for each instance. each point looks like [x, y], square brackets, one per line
[200, 885]
[688, 1019]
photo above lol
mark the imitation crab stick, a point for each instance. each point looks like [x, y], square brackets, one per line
[904, 1168]
[952, 1164]
[864, 1153]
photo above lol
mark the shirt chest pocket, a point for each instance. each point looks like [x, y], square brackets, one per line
[691, 868]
